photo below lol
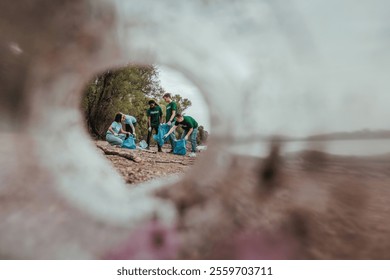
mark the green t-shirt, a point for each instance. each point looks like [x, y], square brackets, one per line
[154, 114]
[187, 123]
[171, 107]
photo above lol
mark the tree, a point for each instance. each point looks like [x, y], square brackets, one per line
[202, 135]
[124, 90]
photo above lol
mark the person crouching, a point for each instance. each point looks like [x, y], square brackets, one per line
[115, 133]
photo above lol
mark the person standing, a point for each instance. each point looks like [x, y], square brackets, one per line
[154, 114]
[171, 110]
[190, 127]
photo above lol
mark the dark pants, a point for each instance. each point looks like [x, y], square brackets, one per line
[172, 139]
[128, 128]
[150, 133]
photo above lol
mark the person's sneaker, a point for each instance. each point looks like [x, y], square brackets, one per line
[170, 152]
[192, 155]
[159, 150]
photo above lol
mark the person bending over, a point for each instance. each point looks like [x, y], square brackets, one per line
[190, 127]
[130, 123]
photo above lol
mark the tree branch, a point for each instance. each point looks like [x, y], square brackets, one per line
[122, 154]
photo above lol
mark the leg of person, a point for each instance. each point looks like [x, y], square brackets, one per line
[155, 128]
[129, 129]
[172, 138]
[148, 138]
[123, 137]
[193, 136]
[113, 140]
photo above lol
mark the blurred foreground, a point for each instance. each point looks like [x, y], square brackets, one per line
[265, 68]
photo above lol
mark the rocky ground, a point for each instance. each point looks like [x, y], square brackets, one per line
[144, 165]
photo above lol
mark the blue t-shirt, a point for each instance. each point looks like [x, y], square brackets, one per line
[115, 127]
[130, 119]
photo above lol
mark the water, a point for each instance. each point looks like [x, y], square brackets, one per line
[368, 147]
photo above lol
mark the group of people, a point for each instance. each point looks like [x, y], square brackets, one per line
[116, 135]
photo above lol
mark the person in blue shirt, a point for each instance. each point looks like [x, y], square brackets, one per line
[115, 133]
[130, 123]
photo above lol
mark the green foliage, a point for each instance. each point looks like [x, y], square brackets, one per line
[201, 139]
[124, 90]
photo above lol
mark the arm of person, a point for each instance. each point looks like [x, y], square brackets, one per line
[173, 116]
[124, 131]
[112, 131]
[173, 128]
[149, 124]
[174, 110]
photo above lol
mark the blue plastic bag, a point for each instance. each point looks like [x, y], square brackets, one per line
[129, 143]
[162, 130]
[180, 147]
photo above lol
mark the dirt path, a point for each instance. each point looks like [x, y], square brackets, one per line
[152, 165]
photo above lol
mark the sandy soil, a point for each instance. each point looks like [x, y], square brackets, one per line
[151, 165]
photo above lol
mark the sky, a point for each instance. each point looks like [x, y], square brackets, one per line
[305, 67]
[176, 83]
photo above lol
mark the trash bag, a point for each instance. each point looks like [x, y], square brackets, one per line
[180, 147]
[162, 130]
[129, 143]
[143, 144]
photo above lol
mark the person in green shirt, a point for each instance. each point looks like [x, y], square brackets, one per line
[154, 114]
[190, 127]
[171, 110]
